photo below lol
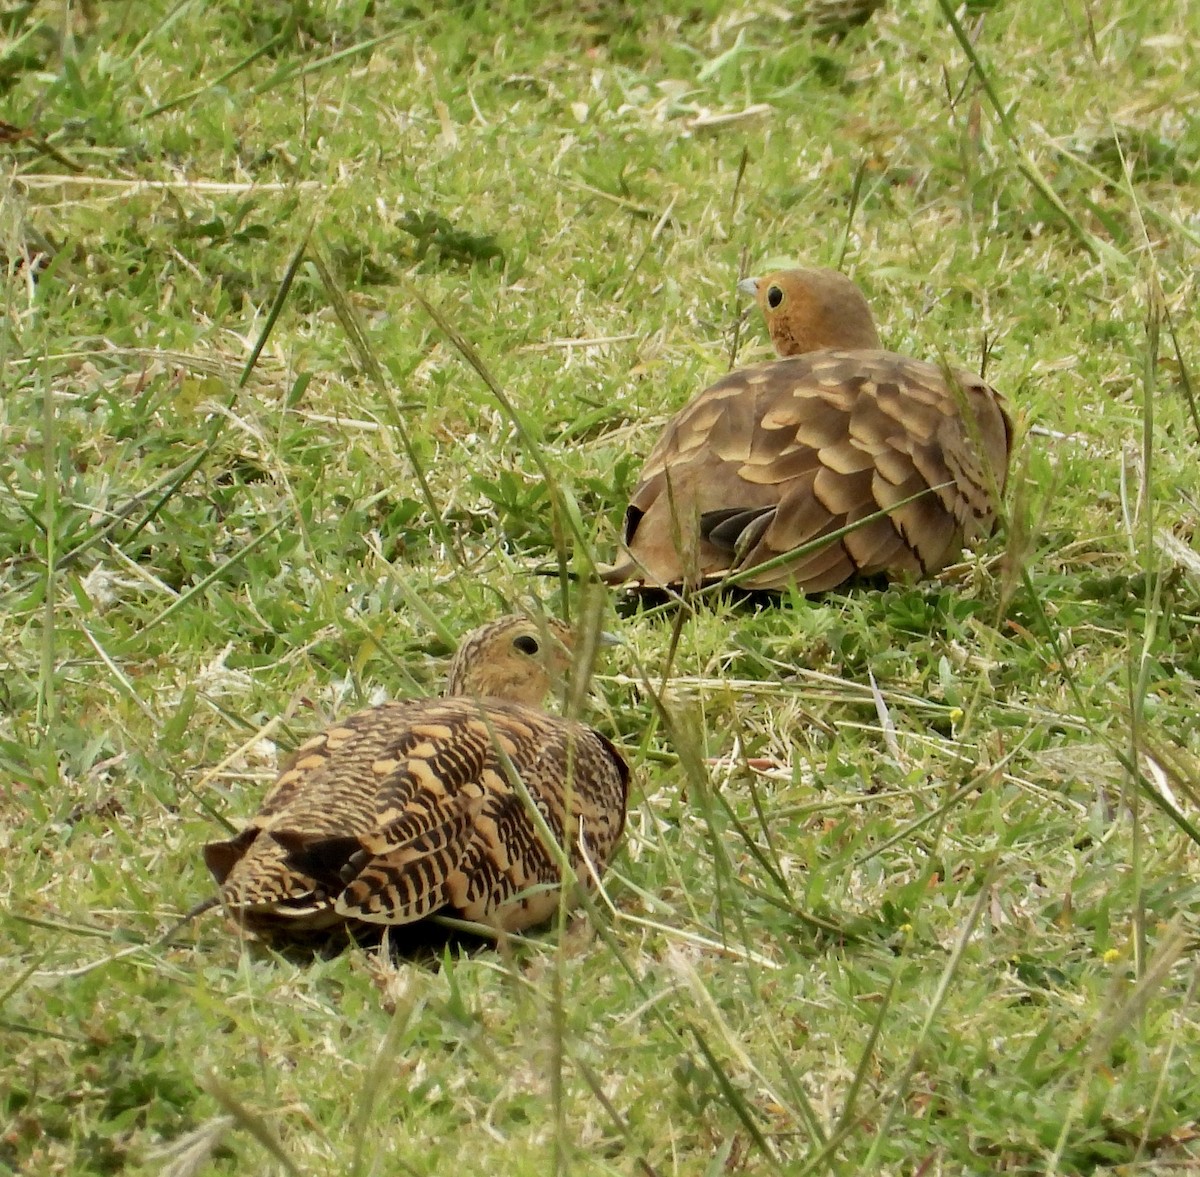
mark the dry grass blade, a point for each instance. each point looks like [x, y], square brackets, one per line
[564, 512]
[736, 1101]
[365, 355]
[1099, 248]
[190, 1154]
[1118, 1022]
[949, 973]
[250, 1122]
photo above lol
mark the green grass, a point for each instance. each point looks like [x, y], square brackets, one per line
[248, 482]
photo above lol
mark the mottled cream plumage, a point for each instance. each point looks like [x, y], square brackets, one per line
[780, 455]
[410, 809]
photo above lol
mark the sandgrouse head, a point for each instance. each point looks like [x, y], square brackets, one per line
[515, 658]
[810, 310]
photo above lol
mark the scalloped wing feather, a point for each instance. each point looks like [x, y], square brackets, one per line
[406, 809]
[818, 442]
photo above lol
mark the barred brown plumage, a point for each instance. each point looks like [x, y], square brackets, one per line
[832, 17]
[411, 808]
[782, 454]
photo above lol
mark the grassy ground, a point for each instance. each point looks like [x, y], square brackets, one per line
[934, 906]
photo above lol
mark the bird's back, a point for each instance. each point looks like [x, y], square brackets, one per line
[412, 807]
[779, 455]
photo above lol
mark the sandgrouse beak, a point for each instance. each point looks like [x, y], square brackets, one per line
[749, 286]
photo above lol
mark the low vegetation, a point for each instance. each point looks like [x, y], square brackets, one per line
[336, 328]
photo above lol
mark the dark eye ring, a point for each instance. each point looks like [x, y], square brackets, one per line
[774, 297]
[526, 644]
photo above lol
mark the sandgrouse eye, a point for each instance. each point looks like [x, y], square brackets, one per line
[835, 434]
[409, 809]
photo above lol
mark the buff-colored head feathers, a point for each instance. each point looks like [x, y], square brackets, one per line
[808, 310]
[515, 658]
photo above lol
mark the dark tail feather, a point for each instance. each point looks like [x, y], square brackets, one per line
[330, 861]
[222, 857]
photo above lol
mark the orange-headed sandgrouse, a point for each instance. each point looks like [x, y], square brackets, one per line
[781, 455]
